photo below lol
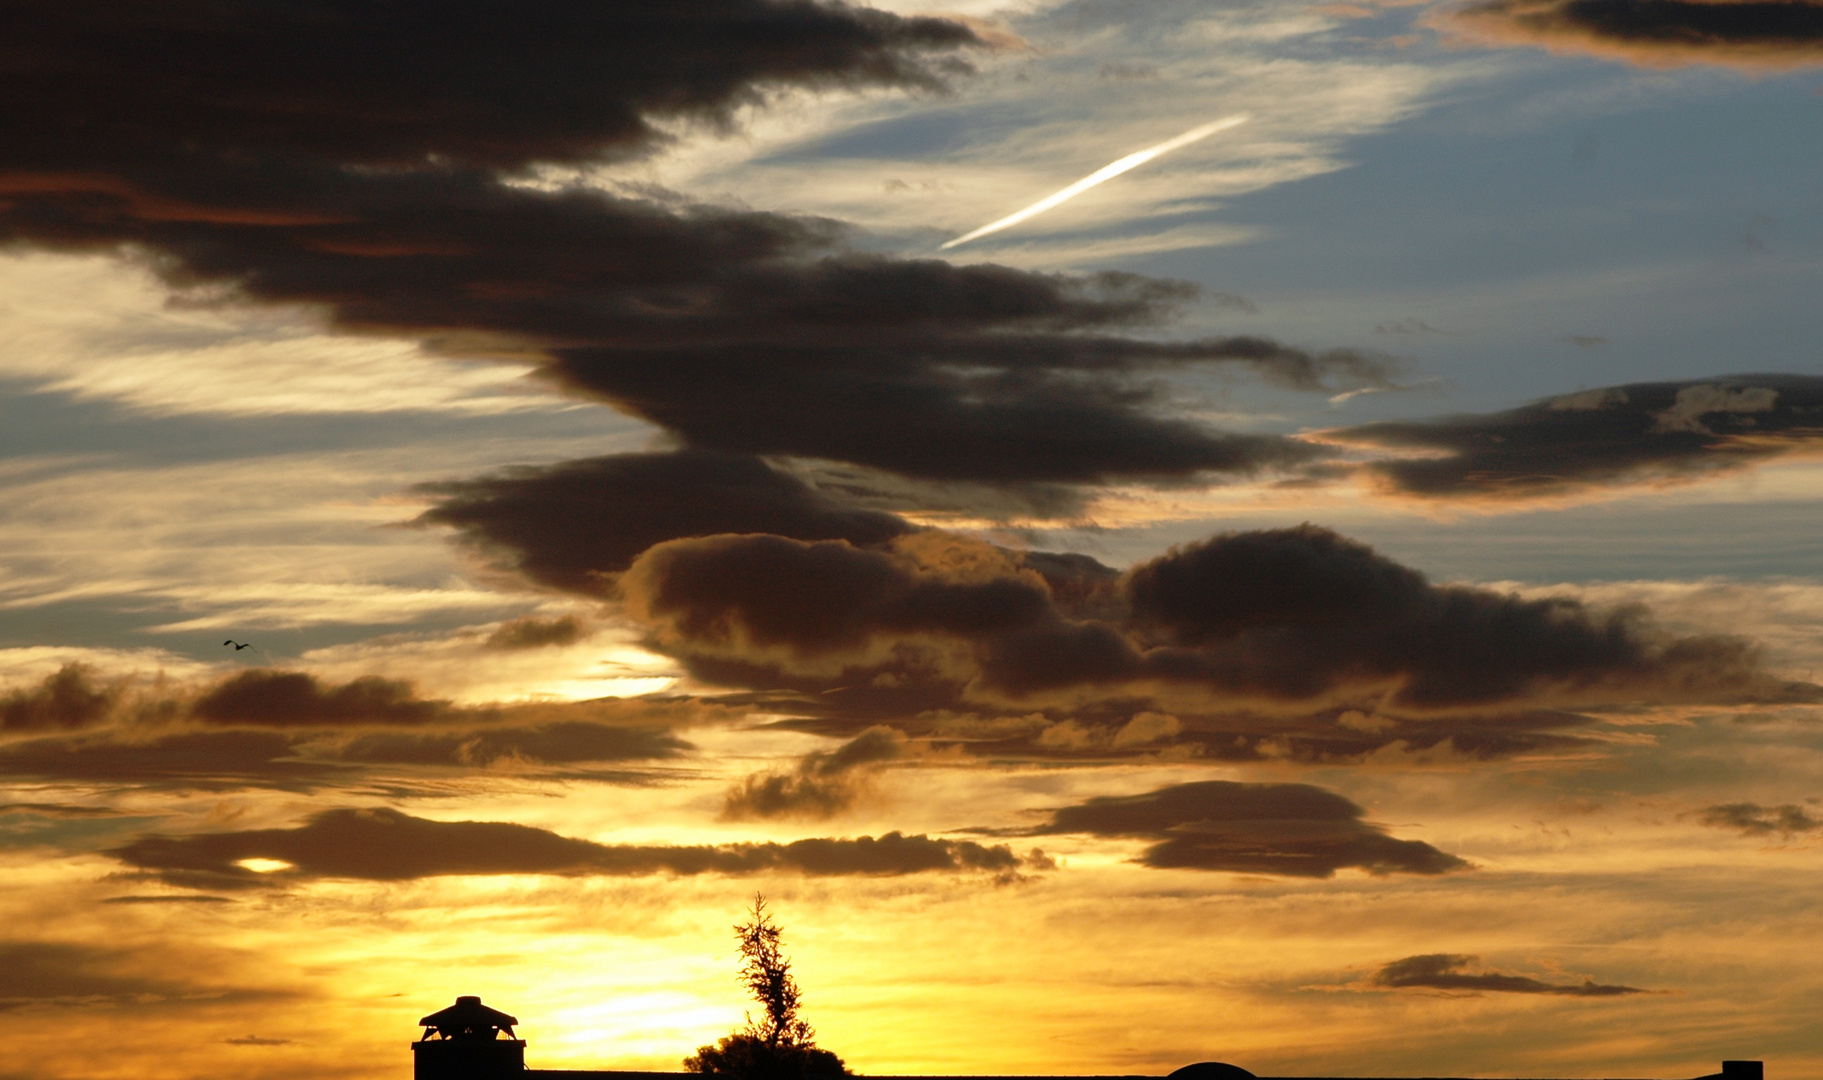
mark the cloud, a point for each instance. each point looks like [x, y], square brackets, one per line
[207, 761]
[823, 784]
[267, 698]
[494, 84]
[995, 393]
[1752, 819]
[167, 900]
[384, 199]
[382, 844]
[534, 633]
[1754, 34]
[57, 810]
[1294, 612]
[306, 760]
[571, 525]
[1581, 443]
[1286, 620]
[291, 731]
[1447, 971]
[559, 742]
[68, 973]
[1294, 830]
[771, 596]
[65, 700]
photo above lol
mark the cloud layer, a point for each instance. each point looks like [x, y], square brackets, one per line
[43, 974]
[1294, 830]
[386, 845]
[1752, 819]
[1287, 619]
[1594, 439]
[386, 199]
[1654, 33]
[822, 785]
[1450, 972]
[293, 731]
[492, 84]
[573, 525]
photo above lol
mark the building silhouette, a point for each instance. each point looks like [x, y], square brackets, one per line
[464, 1042]
[469, 1041]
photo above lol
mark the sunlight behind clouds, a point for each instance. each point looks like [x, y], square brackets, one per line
[1333, 598]
[131, 345]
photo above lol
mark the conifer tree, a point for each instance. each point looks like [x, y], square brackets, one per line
[781, 1044]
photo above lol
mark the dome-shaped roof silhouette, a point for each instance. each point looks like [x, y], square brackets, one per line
[1211, 1070]
[469, 1019]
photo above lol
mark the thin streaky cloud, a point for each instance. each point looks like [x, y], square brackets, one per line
[1099, 176]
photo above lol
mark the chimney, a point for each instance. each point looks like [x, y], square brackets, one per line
[463, 1042]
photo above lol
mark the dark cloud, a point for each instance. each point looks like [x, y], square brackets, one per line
[823, 784]
[167, 900]
[1296, 612]
[357, 737]
[1617, 435]
[989, 399]
[267, 698]
[560, 742]
[306, 761]
[1752, 819]
[350, 159]
[64, 828]
[1654, 33]
[58, 810]
[65, 700]
[487, 83]
[203, 760]
[1448, 971]
[1289, 619]
[386, 845]
[535, 633]
[755, 594]
[67, 973]
[569, 525]
[1289, 829]
[876, 489]
[1101, 725]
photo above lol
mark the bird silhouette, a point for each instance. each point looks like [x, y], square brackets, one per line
[238, 645]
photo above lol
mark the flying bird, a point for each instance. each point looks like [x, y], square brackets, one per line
[1099, 176]
[238, 645]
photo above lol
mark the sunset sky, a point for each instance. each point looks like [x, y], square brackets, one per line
[1336, 589]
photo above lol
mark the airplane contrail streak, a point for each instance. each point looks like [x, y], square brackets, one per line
[1101, 175]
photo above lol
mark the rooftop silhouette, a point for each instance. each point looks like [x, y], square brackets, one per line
[469, 1041]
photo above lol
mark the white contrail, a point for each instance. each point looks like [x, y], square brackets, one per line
[1106, 172]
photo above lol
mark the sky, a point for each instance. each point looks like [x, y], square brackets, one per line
[1258, 531]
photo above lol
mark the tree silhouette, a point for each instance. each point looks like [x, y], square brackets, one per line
[781, 1045]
